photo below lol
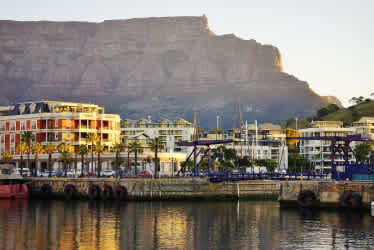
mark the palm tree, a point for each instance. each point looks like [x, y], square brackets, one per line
[50, 148]
[91, 139]
[6, 157]
[117, 149]
[99, 149]
[21, 148]
[155, 145]
[136, 148]
[37, 149]
[65, 154]
[27, 137]
[82, 151]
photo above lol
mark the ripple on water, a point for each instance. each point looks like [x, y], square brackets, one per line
[177, 225]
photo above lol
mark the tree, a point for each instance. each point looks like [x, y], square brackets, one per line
[362, 151]
[270, 165]
[21, 148]
[244, 162]
[27, 137]
[229, 154]
[6, 157]
[357, 100]
[65, 155]
[37, 149]
[188, 166]
[136, 148]
[155, 145]
[99, 149]
[296, 162]
[82, 151]
[91, 139]
[50, 148]
[117, 149]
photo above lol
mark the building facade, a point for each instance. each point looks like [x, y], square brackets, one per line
[317, 151]
[56, 122]
[364, 126]
[169, 132]
[263, 141]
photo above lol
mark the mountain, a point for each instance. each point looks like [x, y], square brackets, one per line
[333, 100]
[163, 67]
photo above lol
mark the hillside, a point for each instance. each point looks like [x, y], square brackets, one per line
[346, 115]
[351, 114]
[163, 67]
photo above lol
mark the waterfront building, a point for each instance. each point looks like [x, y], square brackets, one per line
[168, 131]
[56, 122]
[317, 151]
[364, 126]
[263, 141]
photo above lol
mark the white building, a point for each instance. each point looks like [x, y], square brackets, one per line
[317, 151]
[365, 126]
[169, 132]
[265, 141]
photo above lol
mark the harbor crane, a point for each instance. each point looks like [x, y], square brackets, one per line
[196, 151]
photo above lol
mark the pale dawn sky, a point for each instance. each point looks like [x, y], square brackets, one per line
[328, 43]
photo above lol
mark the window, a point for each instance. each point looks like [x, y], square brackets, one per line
[68, 123]
[33, 124]
[1, 138]
[12, 125]
[57, 137]
[56, 123]
[2, 126]
[23, 125]
[11, 138]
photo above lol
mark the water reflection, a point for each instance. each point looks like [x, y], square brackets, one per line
[177, 225]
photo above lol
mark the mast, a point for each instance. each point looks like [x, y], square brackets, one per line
[240, 128]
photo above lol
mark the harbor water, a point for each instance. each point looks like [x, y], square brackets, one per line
[37, 224]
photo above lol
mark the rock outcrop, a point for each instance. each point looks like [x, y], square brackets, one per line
[163, 67]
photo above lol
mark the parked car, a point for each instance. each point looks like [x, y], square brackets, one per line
[73, 173]
[25, 171]
[107, 173]
[47, 174]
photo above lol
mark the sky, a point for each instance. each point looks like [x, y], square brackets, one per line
[328, 43]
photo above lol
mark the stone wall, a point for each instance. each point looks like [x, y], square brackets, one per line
[156, 189]
[328, 193]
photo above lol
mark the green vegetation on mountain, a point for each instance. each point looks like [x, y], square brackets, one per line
[362, 107]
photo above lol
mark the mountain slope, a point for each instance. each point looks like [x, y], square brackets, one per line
[163, 67]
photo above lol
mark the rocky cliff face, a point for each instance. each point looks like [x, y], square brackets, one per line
[163, 67]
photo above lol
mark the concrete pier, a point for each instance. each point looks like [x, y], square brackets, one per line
[328, 193]
[162, 189]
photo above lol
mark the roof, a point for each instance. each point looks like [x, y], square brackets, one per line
[138, 135]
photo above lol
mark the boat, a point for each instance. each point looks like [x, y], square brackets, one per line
[14, 191]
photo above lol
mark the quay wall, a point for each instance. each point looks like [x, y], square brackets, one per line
[328, 193]
[163, 189]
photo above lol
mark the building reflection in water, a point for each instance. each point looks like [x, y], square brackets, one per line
[176, 225]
